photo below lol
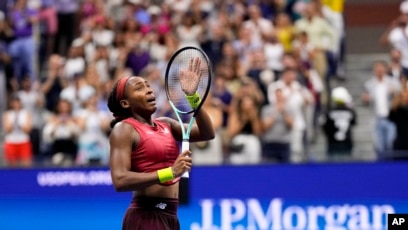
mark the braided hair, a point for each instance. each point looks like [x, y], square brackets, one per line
[114, 105]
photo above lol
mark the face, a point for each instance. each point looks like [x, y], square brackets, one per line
[289, 77]
[64, 107]
[279, 95]
[247, 103]
[395, 55]
[15, 104]
[380, 69]
[139, 96]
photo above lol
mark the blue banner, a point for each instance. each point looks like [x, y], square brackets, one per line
[315, 196]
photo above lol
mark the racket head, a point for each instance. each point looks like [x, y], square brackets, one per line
[180, 60]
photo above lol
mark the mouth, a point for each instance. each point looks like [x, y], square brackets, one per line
[151, 100]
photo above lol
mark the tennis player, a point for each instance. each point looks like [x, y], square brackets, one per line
[144, 153]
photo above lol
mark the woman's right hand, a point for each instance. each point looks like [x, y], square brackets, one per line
[182, 164]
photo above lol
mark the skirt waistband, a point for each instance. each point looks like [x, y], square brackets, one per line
[166, 205]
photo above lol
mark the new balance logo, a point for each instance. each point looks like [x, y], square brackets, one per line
[161, 205]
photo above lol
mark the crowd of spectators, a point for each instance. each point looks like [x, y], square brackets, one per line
[387, 91]
[273, 62]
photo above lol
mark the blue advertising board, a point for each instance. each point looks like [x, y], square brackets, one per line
[354, 196]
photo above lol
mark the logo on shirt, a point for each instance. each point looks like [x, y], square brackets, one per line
[161, 205]
[166, 131]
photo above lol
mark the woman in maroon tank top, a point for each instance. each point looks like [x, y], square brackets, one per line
[144, 154]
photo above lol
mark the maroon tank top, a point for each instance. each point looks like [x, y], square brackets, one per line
[157, 147]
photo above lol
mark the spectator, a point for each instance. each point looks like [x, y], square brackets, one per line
[4, 61]
[277, 123]
[23, 48]
[53, 83]
[138, 58]
[222, 99]
[33, 102]
[338, 123]
[60, 134]
[189, 32]
[378, 91]
[214, 42]
[399, 115]
[159, 22]
[75, 62]
[17, 124]
[67, 24]
[77, 92]
[48, 29]
[395, 69]
[256, 69]
[273, 51]
[92, 139]
[396, 37]
[256, 24]
[297, 98]
[321, 35]
[285, 31]
[244, 127]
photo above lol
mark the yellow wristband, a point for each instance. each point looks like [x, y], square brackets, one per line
[193, 100]
[165, 174]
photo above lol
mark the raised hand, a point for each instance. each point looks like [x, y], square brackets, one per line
[190, 77]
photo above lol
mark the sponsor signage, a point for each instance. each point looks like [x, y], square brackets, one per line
[360, 196]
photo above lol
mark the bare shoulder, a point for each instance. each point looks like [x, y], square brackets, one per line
[123, 132]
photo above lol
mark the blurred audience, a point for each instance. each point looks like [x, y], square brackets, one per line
[272, 62]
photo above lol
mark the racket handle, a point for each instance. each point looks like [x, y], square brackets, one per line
[185, 145]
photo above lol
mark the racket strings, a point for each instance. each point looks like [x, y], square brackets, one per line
[182, 63]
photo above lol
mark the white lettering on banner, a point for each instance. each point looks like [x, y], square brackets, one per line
[237, 214]
[74, 178]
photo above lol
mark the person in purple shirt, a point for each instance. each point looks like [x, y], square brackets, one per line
[137, 59]
[22, 48]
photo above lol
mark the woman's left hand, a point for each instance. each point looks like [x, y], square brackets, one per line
[189, 78]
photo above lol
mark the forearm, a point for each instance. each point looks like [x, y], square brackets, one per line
[204, 126]
[131, 181]
[288, 120]
[257, 126]
[268, 123]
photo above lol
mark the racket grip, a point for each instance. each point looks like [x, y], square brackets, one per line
[185, 145]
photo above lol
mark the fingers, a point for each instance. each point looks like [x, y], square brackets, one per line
[197, 66]
[190, 64]
[186, 153]
[183, 163]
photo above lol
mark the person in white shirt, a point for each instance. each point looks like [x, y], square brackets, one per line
[297, 98]
[17, 123]
[378, 92]
[257, 25]
[396, 36]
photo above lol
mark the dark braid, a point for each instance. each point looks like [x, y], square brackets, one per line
[114, 106]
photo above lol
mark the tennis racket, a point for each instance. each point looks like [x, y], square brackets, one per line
[188, 68]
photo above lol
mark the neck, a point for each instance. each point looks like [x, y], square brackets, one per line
[145, 120]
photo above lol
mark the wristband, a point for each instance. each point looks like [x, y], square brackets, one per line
[193, 100]
[165, 174]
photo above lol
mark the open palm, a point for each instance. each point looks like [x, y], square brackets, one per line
[190, 77]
